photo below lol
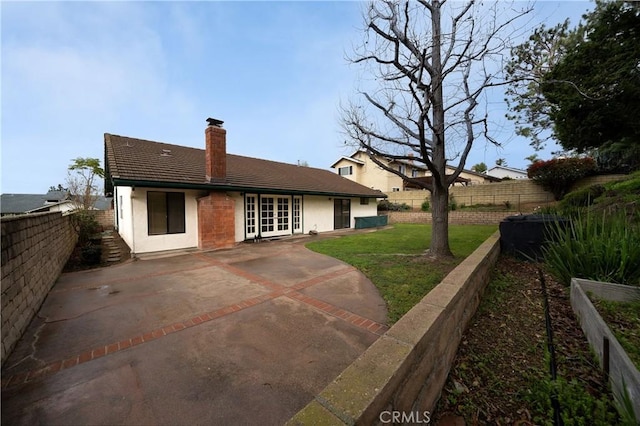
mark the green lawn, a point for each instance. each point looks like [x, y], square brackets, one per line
[392, 259]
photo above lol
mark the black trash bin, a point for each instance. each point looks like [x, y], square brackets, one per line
[524, 235]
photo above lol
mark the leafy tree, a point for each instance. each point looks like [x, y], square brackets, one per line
[581, 86]
[530, 62]
[480, 168]
[81, 180]
[433, 63]
[501, 162]
[605, 104]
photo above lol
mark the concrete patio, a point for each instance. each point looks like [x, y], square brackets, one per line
[241, 336]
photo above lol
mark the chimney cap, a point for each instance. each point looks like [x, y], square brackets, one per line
[214, 122]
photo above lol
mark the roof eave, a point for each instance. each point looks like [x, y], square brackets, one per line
[229, 187]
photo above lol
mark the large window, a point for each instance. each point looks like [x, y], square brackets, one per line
[165, 212]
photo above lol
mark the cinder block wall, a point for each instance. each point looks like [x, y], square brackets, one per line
[35, 248]
[520, 194]
[455, 217]
[406, 368]
[105, 218]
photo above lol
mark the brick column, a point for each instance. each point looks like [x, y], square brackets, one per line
[216, 221]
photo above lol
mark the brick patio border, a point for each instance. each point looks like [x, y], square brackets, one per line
[277, 290]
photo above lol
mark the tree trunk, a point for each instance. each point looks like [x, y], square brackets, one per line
[440, 223]
[440, 192]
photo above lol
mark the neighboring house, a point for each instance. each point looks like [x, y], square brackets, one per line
[507, 172]
[360, 168]
[170, 197]
[52, 201]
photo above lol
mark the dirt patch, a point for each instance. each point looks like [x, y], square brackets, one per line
[501, 371]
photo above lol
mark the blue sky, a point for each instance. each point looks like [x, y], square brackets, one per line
[275, 72]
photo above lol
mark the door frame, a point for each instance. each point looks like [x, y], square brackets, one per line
[341, 213]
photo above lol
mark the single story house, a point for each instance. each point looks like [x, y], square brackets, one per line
[52, 201]
[507, 172]
[359, 167]
[169, 197]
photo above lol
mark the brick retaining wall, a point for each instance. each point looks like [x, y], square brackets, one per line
[35, 248]
[406, 368]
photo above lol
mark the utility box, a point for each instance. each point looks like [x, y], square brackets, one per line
[524, 235]
[371, 221]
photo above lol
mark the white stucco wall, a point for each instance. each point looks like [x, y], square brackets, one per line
[318, 212]
[122, 207]
[135, 232]
[131, 209]
[358, 210]
[239, 216]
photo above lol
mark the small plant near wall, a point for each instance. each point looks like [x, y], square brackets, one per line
[89, 239]
[453, 205]
[600, 247]
[425, 206]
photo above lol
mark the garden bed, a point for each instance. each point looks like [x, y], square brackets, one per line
[623, 374]
[501, 372]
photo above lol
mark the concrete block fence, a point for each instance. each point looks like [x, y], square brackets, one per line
[35, 248]
[520, 195]
[455, 217]
[405, 370]
[105, 218]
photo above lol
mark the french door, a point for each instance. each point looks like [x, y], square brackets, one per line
[269, 215]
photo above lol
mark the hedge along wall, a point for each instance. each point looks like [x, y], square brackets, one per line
[518, 193]
[407, 367]
[35, 248]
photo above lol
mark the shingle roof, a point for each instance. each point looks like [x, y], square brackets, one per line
[24, 203]
[136, 161]
[20, 203]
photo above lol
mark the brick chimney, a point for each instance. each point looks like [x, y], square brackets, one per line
[216, 150]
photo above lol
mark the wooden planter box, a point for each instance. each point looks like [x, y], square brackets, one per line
[620, 368]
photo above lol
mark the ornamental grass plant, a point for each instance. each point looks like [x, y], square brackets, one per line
[595, 246]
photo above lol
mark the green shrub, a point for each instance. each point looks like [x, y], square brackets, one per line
[596, 247]
[386, 205]
[425, 206]
[581, 198]
[577, 405]
[558, 175]
[453, 205]
[85, 225]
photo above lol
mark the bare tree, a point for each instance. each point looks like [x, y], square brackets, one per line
[428, 103]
